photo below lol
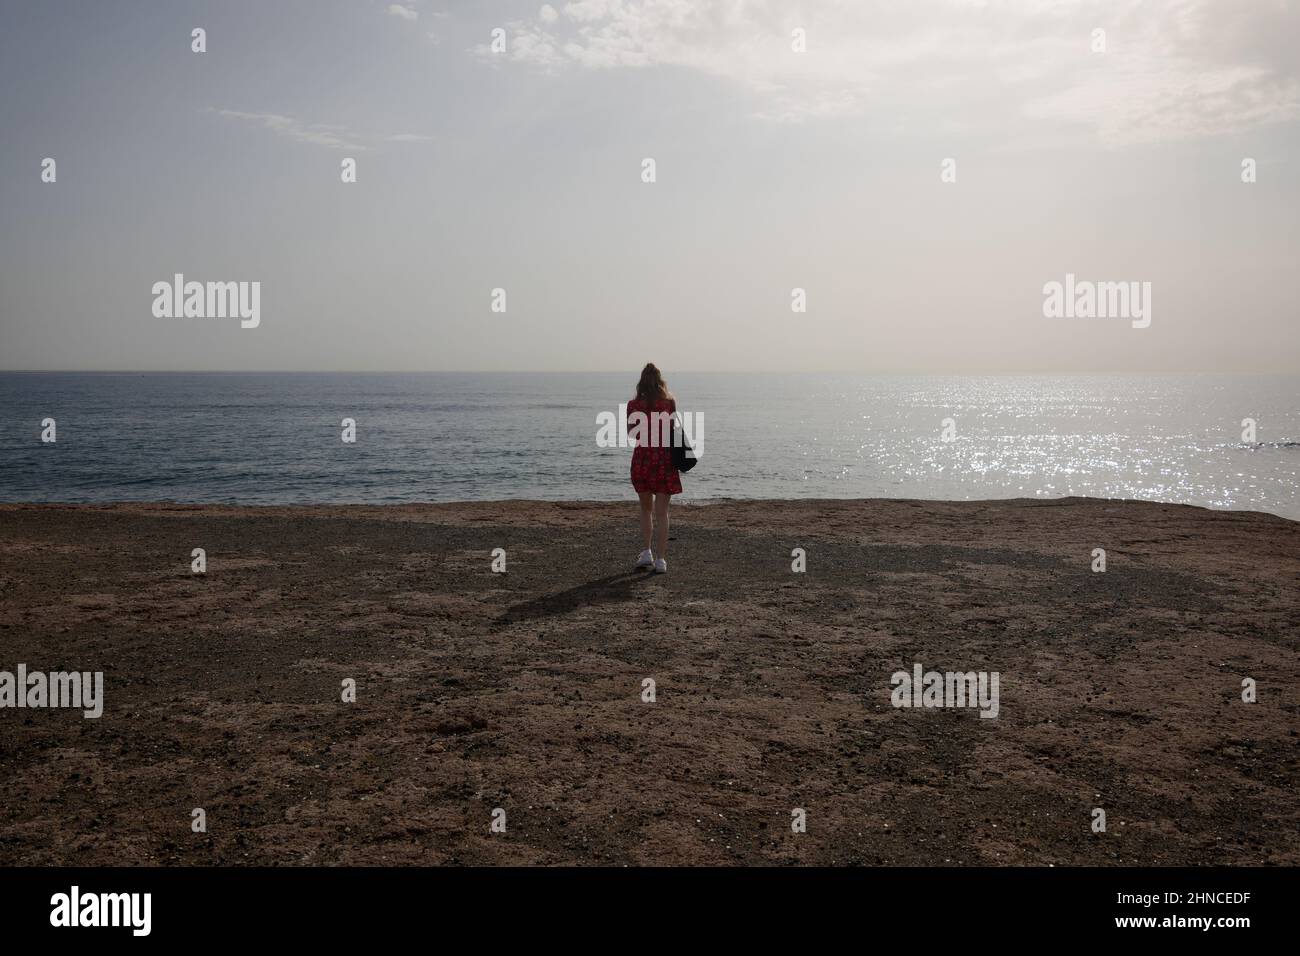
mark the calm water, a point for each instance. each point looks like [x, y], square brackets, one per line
[275, 438]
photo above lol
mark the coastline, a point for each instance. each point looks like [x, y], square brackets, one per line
[523, 690]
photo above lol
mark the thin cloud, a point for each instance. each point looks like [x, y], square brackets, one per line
[406, 13]
[317, 134]
[1172, 69]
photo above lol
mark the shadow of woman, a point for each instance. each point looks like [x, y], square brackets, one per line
[616, 587]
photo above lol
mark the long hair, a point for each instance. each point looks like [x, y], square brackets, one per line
[652, 387]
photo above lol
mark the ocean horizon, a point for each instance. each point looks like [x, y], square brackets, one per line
[277, 437]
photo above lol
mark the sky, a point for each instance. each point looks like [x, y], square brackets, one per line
[796, 145]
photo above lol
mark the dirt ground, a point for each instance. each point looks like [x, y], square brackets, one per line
[523, 691]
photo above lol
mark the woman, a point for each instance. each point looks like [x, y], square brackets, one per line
[653, 475]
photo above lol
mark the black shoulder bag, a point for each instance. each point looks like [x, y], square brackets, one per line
[681, 460]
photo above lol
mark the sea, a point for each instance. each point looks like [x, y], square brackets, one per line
[1219, 441]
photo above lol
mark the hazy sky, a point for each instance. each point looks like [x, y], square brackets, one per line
[775, 169]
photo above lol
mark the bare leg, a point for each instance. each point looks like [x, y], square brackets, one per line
[661, 525]
[647, 502]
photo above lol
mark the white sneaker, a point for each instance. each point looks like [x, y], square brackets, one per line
[661, 566]
[646, 560]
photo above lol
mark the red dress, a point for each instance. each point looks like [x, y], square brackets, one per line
[652, 467]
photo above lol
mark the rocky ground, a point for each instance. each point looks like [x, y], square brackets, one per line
[524, 691]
